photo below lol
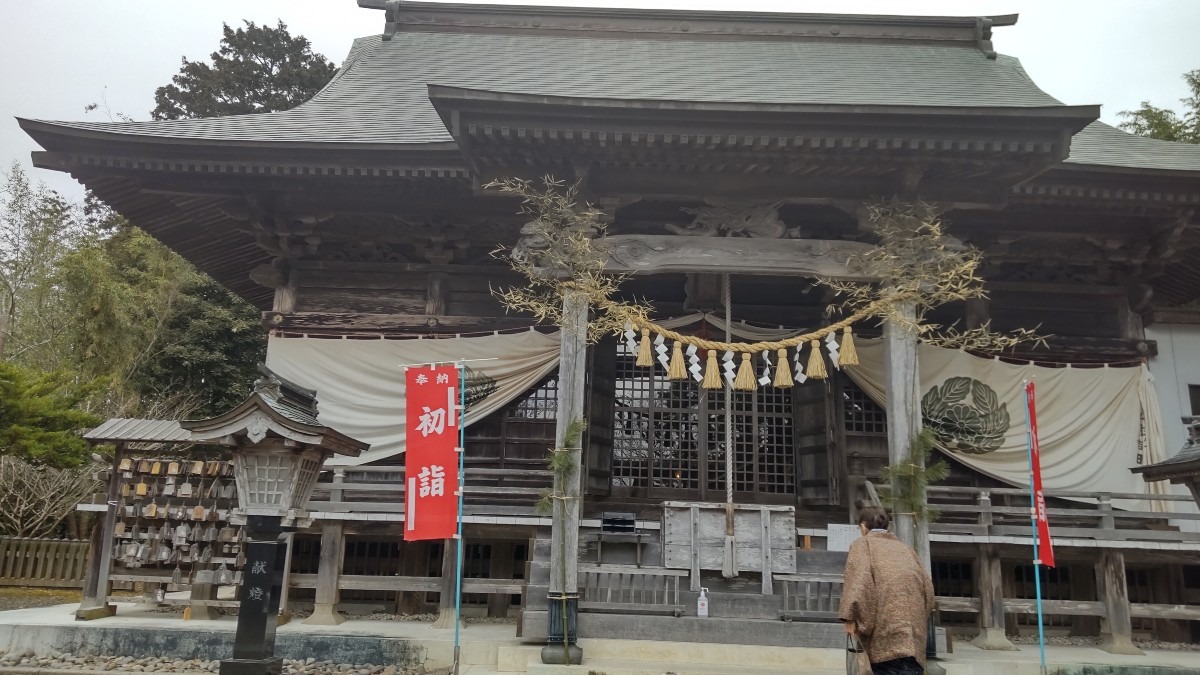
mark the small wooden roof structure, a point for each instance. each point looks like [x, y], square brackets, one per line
[1183, 468]
[276, 405]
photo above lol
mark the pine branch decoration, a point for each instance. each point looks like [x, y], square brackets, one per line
[911, 479]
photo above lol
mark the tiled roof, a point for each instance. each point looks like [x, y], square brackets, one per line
[136, 430]
[380, 95]
[1101, 145]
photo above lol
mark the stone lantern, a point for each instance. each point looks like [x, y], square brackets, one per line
[278, 448]
[1183, 468]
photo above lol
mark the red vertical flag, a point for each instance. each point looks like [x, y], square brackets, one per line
[431, 455]
[1045, 546]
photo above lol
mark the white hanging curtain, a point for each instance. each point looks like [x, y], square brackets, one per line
[360, 383]
[1090, 420]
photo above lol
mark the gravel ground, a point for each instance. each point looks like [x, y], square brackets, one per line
[70, 662]
[25, 598]
[1063, 641]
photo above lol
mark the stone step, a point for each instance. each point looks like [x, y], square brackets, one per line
[640, 657]
[734, 605]
[617, 667]
[725, 632]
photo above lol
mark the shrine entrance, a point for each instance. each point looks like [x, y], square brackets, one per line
[669, 440]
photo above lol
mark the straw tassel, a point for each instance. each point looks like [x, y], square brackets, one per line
[677, 370]
[712, 372]
[783, 374]
[644, 358]
[745, 376]
[849, 352]
[816, 365]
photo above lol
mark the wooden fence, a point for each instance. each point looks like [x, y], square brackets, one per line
[48, 563]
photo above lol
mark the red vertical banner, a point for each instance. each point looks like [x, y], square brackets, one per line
[1045, 546]
[430, 454]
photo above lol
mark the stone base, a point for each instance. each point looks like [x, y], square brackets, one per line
[932, 667]
[1119, 645]
[554, 655]
[323, 615]
[285, 618]
[92, 613]
[269, 666]
[994, 639]
[445, 620]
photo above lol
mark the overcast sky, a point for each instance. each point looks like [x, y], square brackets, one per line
[58, 56]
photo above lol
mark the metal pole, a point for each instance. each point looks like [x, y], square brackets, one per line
[1037, 562]
[462, 484]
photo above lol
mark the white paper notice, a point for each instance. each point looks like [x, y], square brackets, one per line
[841, 536]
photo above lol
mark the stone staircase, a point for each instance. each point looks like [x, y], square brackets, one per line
[739, 614]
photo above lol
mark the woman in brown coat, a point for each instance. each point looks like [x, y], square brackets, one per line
[887, 598]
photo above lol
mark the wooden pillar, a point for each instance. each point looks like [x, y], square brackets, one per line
[285, 613]
[1008, 585]
[903, 386]
[1168, 588]
[501, 568]
[413, 563]
[201, 592]
[978, 312]
[1116, 633]
[991, 601]
[94, 604]
[329, 569]
[1083, 587]
[564, 538]
[446, 593]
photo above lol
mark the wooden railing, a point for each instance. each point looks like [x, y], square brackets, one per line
[810, 597]
[620, 589]
[973, 512]
[51, 563]
[366, 582]
[380, 489]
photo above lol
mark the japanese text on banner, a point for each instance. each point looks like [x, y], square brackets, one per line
[1045, 546]
[431, 456]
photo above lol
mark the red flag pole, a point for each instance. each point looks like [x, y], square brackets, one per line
[1043, 551]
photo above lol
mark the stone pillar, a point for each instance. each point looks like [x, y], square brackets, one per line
[96, 586]
[329, 569]
[564, 539]
[1116, 630]
[258, 614]
[991, 601]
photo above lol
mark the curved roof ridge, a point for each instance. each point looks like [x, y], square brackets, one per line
[358, 50]
[1019, 68]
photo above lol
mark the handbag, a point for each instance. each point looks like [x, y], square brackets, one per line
[857, 661]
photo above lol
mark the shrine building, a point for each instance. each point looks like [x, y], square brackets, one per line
[733, 157]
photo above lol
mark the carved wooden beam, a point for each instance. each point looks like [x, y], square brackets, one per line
[337, 322]
[659, 254]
